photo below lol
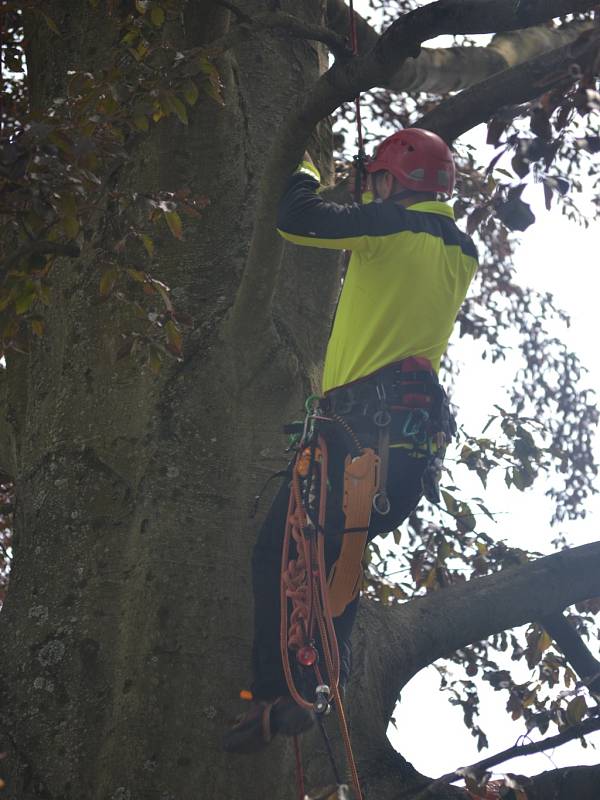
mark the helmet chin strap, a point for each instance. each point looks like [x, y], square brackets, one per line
[409, 193]
[403, 194]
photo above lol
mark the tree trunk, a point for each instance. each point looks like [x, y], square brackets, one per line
[127, 628]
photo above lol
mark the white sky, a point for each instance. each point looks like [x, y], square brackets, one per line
[559, 257]
[556, 256]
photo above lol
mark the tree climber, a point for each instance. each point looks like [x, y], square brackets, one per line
[407, 277]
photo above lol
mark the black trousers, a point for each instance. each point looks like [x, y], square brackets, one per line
[404, 492]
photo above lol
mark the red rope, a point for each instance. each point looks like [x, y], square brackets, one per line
[299, 770]
[304, 582]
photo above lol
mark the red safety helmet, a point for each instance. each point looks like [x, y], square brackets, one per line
[420, 160]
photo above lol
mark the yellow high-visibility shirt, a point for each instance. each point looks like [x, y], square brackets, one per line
[407, 278]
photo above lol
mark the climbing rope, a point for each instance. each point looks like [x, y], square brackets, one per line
[304, 583]
[360, 157]
[304, 578]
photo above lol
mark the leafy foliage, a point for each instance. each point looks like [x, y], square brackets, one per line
[60, 168]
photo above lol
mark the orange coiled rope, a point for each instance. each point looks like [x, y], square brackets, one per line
[304, 583]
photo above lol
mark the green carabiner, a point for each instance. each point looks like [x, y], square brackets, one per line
[309, 401]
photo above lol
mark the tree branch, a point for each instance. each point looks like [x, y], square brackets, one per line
[574, 732]
[41, 247]
[277, 20]
[342, 83]
[513, 86]
[460, 615]
[418, 632]
[574, 649]
[453, 69]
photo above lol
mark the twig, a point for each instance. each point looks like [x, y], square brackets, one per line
[70, 250]
[239, 14]
[574, 732]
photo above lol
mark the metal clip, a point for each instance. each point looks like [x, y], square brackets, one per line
[322, 697]
[382, 418]
[381, 503]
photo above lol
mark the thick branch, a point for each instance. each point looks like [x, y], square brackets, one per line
[453, 69]
[339, 84]
[559, 68]
[445, 621]
[393, 644]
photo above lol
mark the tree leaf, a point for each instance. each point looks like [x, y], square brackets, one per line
[157, 15]
[24, 302]
[154, 359]
[68, 205]
[544, 642]
[148, 244]
[450, 502]
[515, 214]
[174, 222]
[164, 293]
[174, 338]
[70, 225]
[49, 21]
[180, 109]
[108, 281]
[137, 275]
[190, 92]
[38, 326]
[576, 710]
[141, 122]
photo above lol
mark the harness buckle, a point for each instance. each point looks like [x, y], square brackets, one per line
[382, 418]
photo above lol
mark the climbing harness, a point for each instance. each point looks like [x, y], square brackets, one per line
[304, 580]
[400, 406]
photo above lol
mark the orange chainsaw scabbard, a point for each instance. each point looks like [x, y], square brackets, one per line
[361, 479]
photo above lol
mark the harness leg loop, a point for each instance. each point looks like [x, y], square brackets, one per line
[361, 479]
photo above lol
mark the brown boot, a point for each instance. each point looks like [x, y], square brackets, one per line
[254, 730]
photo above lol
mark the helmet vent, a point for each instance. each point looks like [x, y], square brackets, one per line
[443, 177]
[417, 175]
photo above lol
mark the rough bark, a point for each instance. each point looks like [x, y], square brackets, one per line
[126, 630]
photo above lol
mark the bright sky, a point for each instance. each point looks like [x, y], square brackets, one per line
[556, 256]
